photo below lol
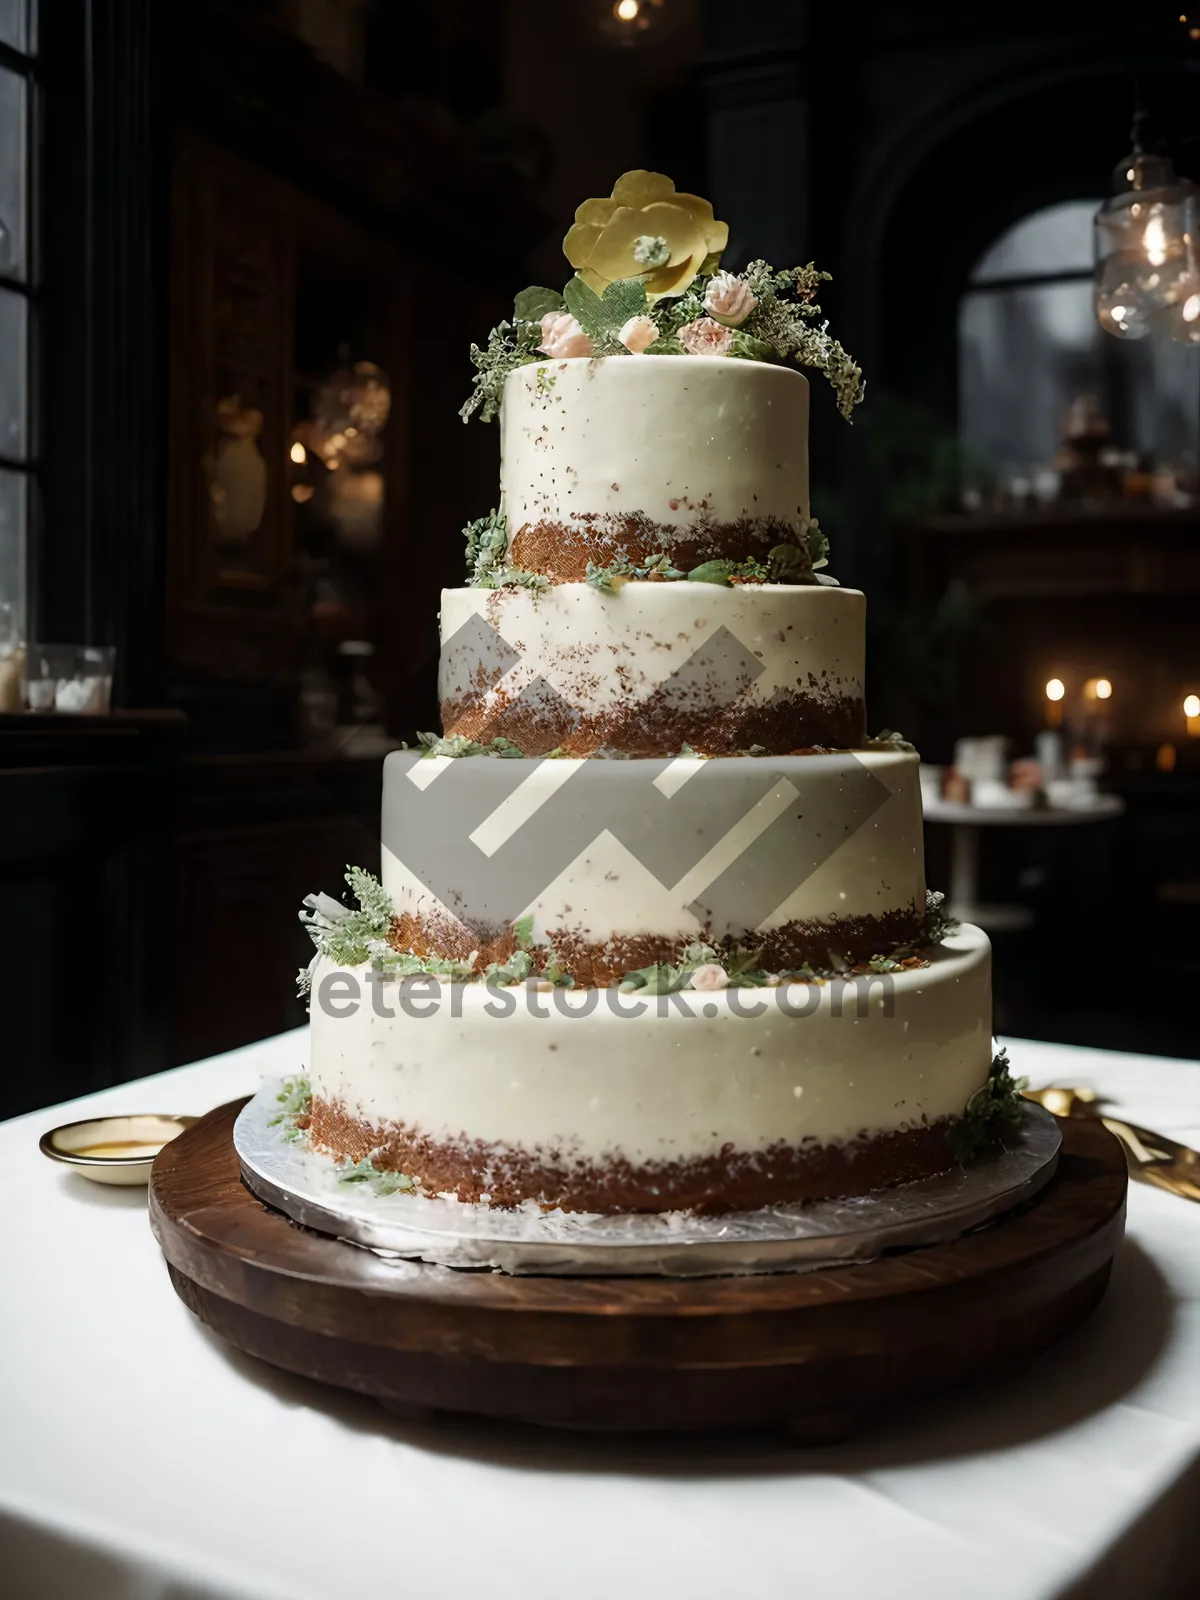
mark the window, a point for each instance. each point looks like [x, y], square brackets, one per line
[18, 294]
[1030, 346]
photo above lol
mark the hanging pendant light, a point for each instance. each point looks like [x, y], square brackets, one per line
[1183, 317]
[1147, 268]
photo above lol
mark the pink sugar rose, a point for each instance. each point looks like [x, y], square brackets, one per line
[637, 334]
[730, 300]
[562, 337]
[710, 976]
[704, 337]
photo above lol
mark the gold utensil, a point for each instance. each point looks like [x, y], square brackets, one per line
[1152, 1157]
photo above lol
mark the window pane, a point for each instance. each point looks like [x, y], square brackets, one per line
[14, 96]
[16, 24]
[14, 375]
[1058, 239]
[1026, 354]
[13, 503]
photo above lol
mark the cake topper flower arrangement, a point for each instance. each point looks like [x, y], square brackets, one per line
[648, 282]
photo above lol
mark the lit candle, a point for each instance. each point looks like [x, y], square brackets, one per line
[1191, 710]
[1055, 691]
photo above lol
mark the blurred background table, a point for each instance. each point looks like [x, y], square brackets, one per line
[966, 820]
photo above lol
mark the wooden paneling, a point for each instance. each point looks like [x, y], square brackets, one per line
[231, 319]
[87, 813]
[256, 835]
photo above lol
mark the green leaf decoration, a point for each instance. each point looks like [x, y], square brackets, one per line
[295, 1095]
[381, 1181]
[787, 563]
[741, 963]
[661, 978]
[523, 929]
[624, 298]
[818, 544]
[585, 306]
[894, 741]
[508, 348]
[350, 937]
[457, 744]
[603, 316]
[939, 924]
[712, 572]
[487, 541]
[515, 970]
[748, 348]
[531, 305]
[993, 1111]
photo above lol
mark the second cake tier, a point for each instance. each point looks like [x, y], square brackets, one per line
[653, 667]
[604, 867]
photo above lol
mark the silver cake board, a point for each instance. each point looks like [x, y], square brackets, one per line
[307, 1187]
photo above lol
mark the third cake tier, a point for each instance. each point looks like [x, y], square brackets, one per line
[612, 865]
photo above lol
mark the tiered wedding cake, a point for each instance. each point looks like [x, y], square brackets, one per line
[653, 929]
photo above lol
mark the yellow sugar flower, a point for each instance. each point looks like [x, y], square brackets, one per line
[644, 230]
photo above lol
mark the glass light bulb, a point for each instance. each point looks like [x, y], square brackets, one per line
[1055, 689]
[1146, 260]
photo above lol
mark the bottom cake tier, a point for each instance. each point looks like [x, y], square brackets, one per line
[599, 1100]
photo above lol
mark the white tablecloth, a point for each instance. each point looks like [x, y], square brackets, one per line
[142, 1459]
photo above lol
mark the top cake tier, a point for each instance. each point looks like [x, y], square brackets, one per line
[626, 459]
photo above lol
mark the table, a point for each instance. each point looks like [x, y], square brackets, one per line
[966, 820]
[143, 1459]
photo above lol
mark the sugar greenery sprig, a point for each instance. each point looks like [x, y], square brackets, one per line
[939, 923]
[379, 1180]
[667, 977]
[457, 744]
[510, 345]
[892, 741]
[785, 320]
[993, 1113]
[511, 577]
[294, 1097]
[784, 563]
[487, 542]
[404, 964]
[742, 967]
[345, 933]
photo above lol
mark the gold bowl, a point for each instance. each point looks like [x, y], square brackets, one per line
[119, 1150]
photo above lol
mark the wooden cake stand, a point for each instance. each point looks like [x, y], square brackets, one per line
[813, 1351]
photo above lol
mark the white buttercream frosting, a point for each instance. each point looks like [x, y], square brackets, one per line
[671, 438]
[599, 651]
[840, 834]
[861, 1059]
